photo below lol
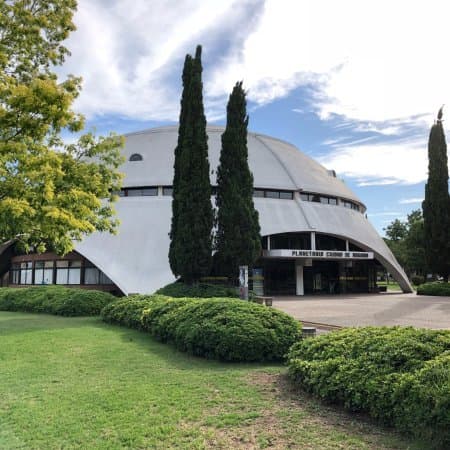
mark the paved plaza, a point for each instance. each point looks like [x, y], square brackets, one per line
[369, 309]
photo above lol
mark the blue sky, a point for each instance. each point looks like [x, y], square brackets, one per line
[355, 85]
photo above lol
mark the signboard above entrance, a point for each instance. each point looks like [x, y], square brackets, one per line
[317, 254]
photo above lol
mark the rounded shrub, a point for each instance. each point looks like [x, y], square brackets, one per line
[437, 288]
[224, 329]
[54, 300]
[373, 369]
[216, 328]
[422, 402]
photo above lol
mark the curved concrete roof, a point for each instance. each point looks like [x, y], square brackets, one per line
[275, 164]
[137, 258]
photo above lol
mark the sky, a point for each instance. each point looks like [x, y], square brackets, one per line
[356, 85]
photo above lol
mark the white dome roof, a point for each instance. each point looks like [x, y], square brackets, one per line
[136, 259]
[275, 164]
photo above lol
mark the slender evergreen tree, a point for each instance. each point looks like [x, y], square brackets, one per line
[175, 244]
[191, 245]
[436, 206]
[238, 240]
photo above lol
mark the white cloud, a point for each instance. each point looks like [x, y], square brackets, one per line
[130, 52]
[407, 201]
[369, 61]
[400, 162]
[379, 64]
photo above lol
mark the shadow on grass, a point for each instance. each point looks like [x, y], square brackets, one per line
[181, 360]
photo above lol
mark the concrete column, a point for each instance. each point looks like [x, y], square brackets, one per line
[268, 242]
[347, 247]
[299, 278]
[313, 240]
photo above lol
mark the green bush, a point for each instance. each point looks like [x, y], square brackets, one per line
[217, 328]
[54, 300]
[198, 290]
[127, 311]
[435, 288]
[372, 370]
[417, 279]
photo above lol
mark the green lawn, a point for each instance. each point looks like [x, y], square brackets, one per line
[78, 383]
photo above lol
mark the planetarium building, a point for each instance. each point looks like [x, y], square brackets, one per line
[316, 236]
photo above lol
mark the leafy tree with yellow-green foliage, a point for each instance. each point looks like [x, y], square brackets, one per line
[51, 193]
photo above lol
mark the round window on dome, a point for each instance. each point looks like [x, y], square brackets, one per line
[136, 157]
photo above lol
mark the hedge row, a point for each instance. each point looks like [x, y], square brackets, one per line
[218, 328]
[54, 300]
[435, 288]
[198, 290]
[400, 376]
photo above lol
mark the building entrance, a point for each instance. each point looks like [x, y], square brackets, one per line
[293, 277]
[279, 277]
[321, 278]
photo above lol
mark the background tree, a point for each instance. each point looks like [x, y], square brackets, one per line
[192, 233]
[406, 239]
[238, 240]
[50, 193]
[436, 206]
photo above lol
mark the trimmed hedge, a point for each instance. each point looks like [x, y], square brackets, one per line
[434, 288]
[400, 376]
[56, 300]
[217, 328]
[198, 290]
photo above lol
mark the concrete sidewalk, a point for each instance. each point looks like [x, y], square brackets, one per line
[369, 309]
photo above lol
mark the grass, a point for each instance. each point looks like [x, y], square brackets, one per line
[392, 286]
[78, 383]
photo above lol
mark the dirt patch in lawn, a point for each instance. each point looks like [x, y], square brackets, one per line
[294, 420]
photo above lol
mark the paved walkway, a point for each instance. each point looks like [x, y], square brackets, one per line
[369, 309]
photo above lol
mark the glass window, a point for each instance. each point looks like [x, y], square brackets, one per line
[136, 157]
[272, 194]
[324, 242]
[332, 201]
[304, 197]
[324, 200]
[290, 241]
[26, 272]
[315, 198]
[286, 195]
[258, 193]
[104, 279]
[139, 192]
[15, 274]
[134, 192]
[91, 275]
[168, 190]
[43, 272]
[68, 272]
[150, 191]
[74, 275]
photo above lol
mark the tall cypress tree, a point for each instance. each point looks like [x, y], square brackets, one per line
[192, 242]
[175, 244]
[436, 206]
[238, 240]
